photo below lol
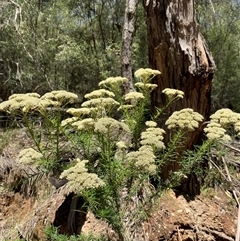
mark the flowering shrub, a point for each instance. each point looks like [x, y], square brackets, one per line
[47, 109]
[114, 157]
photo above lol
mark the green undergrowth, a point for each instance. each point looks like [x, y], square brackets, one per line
[53, 235]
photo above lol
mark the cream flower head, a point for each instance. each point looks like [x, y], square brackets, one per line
[100, 102]
[85, 124]
[145, 86]
[69, 121]
[135, 96]
[101, 107]
[121, 145]
[112, 127]
[29, 156]
[214, 131]
[21, 102]
[79, 179]
[62, 96]
[173, 93]
[145, 75]
[78, 112]
[45, 103]
[226, 117]
[99, 93]
[143, 159]
[153, 136]
[151, 123]
[27, 102]
[20, 97]
[113, 82]
[185, 119]
[125, 107]
[222, 116]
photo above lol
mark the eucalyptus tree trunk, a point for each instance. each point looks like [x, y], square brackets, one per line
[178, 50]
[127, 39]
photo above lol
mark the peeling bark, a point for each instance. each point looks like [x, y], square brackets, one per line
[178, 50]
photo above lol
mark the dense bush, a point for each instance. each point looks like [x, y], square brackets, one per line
[71, 45]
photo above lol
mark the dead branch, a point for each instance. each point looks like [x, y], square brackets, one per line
[237, 238]
[231, 147]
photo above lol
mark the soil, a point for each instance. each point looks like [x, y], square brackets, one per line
[175, 217]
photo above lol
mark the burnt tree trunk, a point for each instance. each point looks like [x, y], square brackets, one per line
[178, 50]
[127, 39]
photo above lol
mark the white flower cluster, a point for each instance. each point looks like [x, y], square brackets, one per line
[214, 131]
[99, 93]
[29, 156]
[100, 102]
[76, 120]
[145, 86]
[173, 93]
[20, 97]
[113, 82]
[134, 96]
[79, 179]
[185, 119]
[143, 159]
[24, 103]
[150, 123]
[101, 106]
[85, 124]
[61, 96]
[33, 102]
[145, 75]
[226, 117]
[69, 121]
[125, 107]
[153, 136]
[79, 112]
[220, 121]
[121, 145]
[111, 127]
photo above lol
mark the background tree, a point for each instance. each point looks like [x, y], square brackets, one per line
[73, 44]
[29, 43]
[220, 25]
[127, 40]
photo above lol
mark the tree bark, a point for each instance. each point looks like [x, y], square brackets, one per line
[127, 39]
[178, 50]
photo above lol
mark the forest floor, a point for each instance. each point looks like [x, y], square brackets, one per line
[176, 217]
